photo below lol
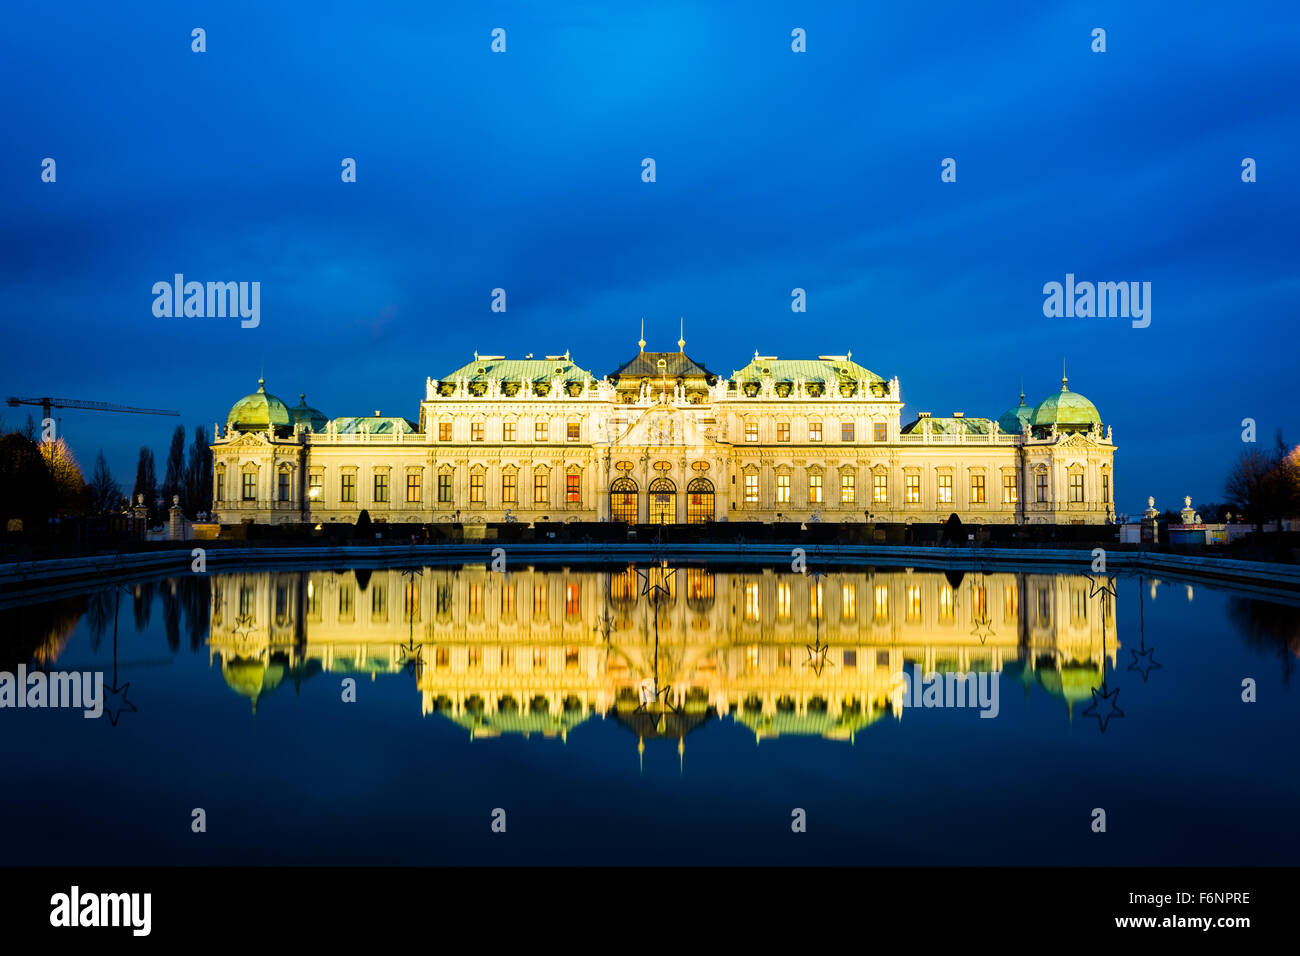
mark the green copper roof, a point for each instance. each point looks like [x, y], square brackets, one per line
[1066, 409]
[485, 368]
[379, 425]
[951, 426]
[259, 411]
[810, 370]
[304, 414]
[1014, 419]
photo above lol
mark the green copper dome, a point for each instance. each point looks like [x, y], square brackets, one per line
[304, 414]
[1066, 409]
[1014, 419]
[259, 411]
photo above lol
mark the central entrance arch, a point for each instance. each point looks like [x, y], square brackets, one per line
[699, 501]
[622, 500]
[663, 501]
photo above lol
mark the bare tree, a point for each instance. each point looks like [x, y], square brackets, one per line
[105, 493]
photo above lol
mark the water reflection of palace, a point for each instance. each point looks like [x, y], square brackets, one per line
[540, 651]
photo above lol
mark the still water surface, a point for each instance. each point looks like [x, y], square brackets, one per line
[656, 718]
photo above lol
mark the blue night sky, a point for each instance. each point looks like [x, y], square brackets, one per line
[775, 170]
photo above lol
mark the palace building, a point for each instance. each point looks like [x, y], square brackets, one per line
[664, 440]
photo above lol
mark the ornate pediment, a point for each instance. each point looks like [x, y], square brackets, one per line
[663, 426]
[248, 439]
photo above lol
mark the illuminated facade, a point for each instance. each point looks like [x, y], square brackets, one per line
[664, 440]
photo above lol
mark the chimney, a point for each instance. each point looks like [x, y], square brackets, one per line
[958, 414]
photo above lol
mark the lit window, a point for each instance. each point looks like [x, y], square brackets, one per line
[977, 489]
[782, 489]
[348, 488]
[1008, 489]
[381, 488]
[508, 431]
[751, 431]
[413, 489]
[444, 431]
[846, 431]
[913, 489]
[1076, 488]
[575, 431]
[880, 431]
[814, 431]
[782, 431]
[250, 487]
[509, 489]
[913, 603]
[849, 603]
[540, 431]
[783, 601]
[573, 490]
[477, 483]
[945, 489]
[476, 431]
[316, 487]
[541, 492]
[814, 489]
[848, 489]
[880, 489]
[751, 489]
[444, 489]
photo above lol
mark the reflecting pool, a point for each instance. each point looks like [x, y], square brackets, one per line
[656, 716]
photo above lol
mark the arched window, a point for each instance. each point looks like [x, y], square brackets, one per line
[663, 501]
[699, 501]
[622, 500]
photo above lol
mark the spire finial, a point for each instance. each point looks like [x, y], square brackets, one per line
[1022, 390]
[642, 341]
[681, 342]
[1065, 382]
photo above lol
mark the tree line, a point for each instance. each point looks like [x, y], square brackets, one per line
[1265, 484]
[41, 479]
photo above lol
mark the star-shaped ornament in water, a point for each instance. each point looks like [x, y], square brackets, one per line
[1144, 661]
[126, 705]
[411, 658]
[1107, 586]
[817, 657]
[1110, 698]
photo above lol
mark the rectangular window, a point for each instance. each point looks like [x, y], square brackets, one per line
[751, 489]
[283, 481]
[1105, 489]
[348, 488]
[782, 431]
[476, 487]
[848, 489]
[509, 489]
[378, 603]
[814, 431]
[814, 489]
[444, 489]
[475, 431]
[444, 431]
[977, 489]
[573, 489]
[381, 488]
[1040, 482]
[913, 489]
[1076, 488]
[574, 431]
[250, 487]
[846, 431]
[508, 431]
[315, 487]
[1008, 489]
[541, 430]
[221, 486]
[782, 488]
[541, 494]
[880, 489]
[945, 489]
[879, 431]
[414, 489]
[751, 431]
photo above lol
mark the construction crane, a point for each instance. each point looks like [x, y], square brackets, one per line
[50, 403]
